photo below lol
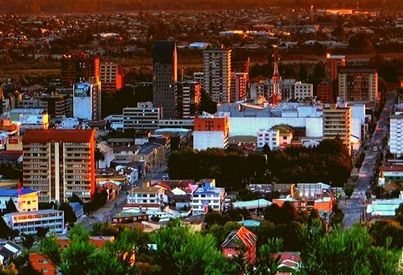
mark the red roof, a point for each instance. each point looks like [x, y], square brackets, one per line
[392, 168]
[60, 135]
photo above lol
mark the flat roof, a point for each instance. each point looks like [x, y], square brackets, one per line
[59, 135]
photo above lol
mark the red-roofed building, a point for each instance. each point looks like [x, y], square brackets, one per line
[42, 264]
[59, 163]
[98, 241]
[289, 260]
[238, 241]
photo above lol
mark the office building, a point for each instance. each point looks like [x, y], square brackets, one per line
[337, 123]
[24, 199]
[188, 99]
[143, 117]
[239, 83]
[30, 222]
[210, 132]
[357, 84]
[79, 68]
[165, 77]
[396, 134]
[324, 92]
[217, 74]
[111, 77]
[303, 91]
[199, 77]
[30, 118]
[59, 163]
[87, 100]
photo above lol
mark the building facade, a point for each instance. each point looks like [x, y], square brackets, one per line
[146, 198]
[217, 74]
[239, 85]
[396, 134]
[165, 77]
[337, 123]
[29, 222]
[59, 163]
[24, 199]
[188, 99]
[358, 84]
[324, 92]
[210, 132]
[111, 77]
[79, 68]
[87, 100]
[143, 117]
[303, 91]
[208, 197]
[57, 105]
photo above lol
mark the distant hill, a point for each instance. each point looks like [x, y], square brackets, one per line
[87, 6]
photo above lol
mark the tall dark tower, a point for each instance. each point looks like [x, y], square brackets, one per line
[165, 77]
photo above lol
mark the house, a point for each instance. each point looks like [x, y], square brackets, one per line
[289, 260]
[148, 197]
[98, 241]
[238, 241]
[179, 192]
[24, 199]
[208, 196]
[8, 251]
[42, 264]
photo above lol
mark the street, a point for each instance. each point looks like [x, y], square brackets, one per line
[354, 207]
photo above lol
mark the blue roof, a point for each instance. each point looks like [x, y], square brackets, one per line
[250, 223]
[15, 192]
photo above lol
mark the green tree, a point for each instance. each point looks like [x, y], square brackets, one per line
[69, 214]
[49, 247]
[399, 214]
[78, 258]
[79, 234]
[27, 241]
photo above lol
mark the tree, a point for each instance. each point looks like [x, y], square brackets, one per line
[5, 231]
[206, 104]
[49, 247]
[42, 231]
[387, 234]
[399, 214]
[27, 241]
[10, 206]
[69, 214]
[79, 234]
[348, 190]
[78, 258]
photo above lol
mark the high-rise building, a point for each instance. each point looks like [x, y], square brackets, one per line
[79, 68]
[143, 117]
[210, 132]
[239, 82]
[57, 105]
[337, 123]
[188, 99]
[324, 92]
[87, 100]
[303, 91]
[111, 77]
[59, 163]
[199, 77]
[240, 65]
[217, 73]
[357, 84]
[332, 65]
[165, 77]
[396, 134]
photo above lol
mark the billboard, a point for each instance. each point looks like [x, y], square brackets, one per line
[82, 90]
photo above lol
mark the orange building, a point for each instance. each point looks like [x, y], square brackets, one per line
[42, 264]
[210, 132]
[211, 124]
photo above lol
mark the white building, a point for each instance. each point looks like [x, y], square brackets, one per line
[279, 136]
[146, 198]
[143, 117]
[208, 196]
[210, 132]
[303, 91]
[217, 74]
[30, 118]
[396, 134]
[87, 100]
[30, 222]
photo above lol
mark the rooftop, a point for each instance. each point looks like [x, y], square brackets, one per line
[59, 135]
[16, 192]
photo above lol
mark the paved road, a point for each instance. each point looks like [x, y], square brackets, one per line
[353, 208]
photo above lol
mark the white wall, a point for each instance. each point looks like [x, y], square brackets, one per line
[82, 108]
[208, 139]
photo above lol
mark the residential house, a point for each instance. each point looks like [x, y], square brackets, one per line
[240, 241]
[8, 251]
[24, 199]
[289, 260]
[206, 197]
[145, 198]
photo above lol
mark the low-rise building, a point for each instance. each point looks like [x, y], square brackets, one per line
[24, 199]
[210, 132]
[279, 136]
[143, 117]
[145, 198]
[9, 251]
[241, 242]
[208, 196]
[42, 264]
[30, 222]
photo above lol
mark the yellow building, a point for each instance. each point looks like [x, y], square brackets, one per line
[24, 199]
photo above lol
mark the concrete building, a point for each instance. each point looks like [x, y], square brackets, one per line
[396, 134]
[357, 84]
[324, 92]
[30, 118]
[239, 83]
[210, 132]
[29, 222]
[87, 100]
[199, 78]
[188, 99]
[24, 199]
[279, 136]
[59, 163]
[111, 77]
[57, 105]
[258, 89]
[79, 68]
[146, 198]
[143, 117]
[217, 73]
[303, 91]
[207, 196]
[165, 77]
[337, 123]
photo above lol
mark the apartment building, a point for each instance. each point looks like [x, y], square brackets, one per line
[303, 91]
[188, 99]
[59, 163]
[143, 117]
[396, 134]
[337, 123]
[210, 132]
[217, 73]
[146, 198]
[207, 196]
[239, 83]
[111, 77]
[357, 84]
[87, 100]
